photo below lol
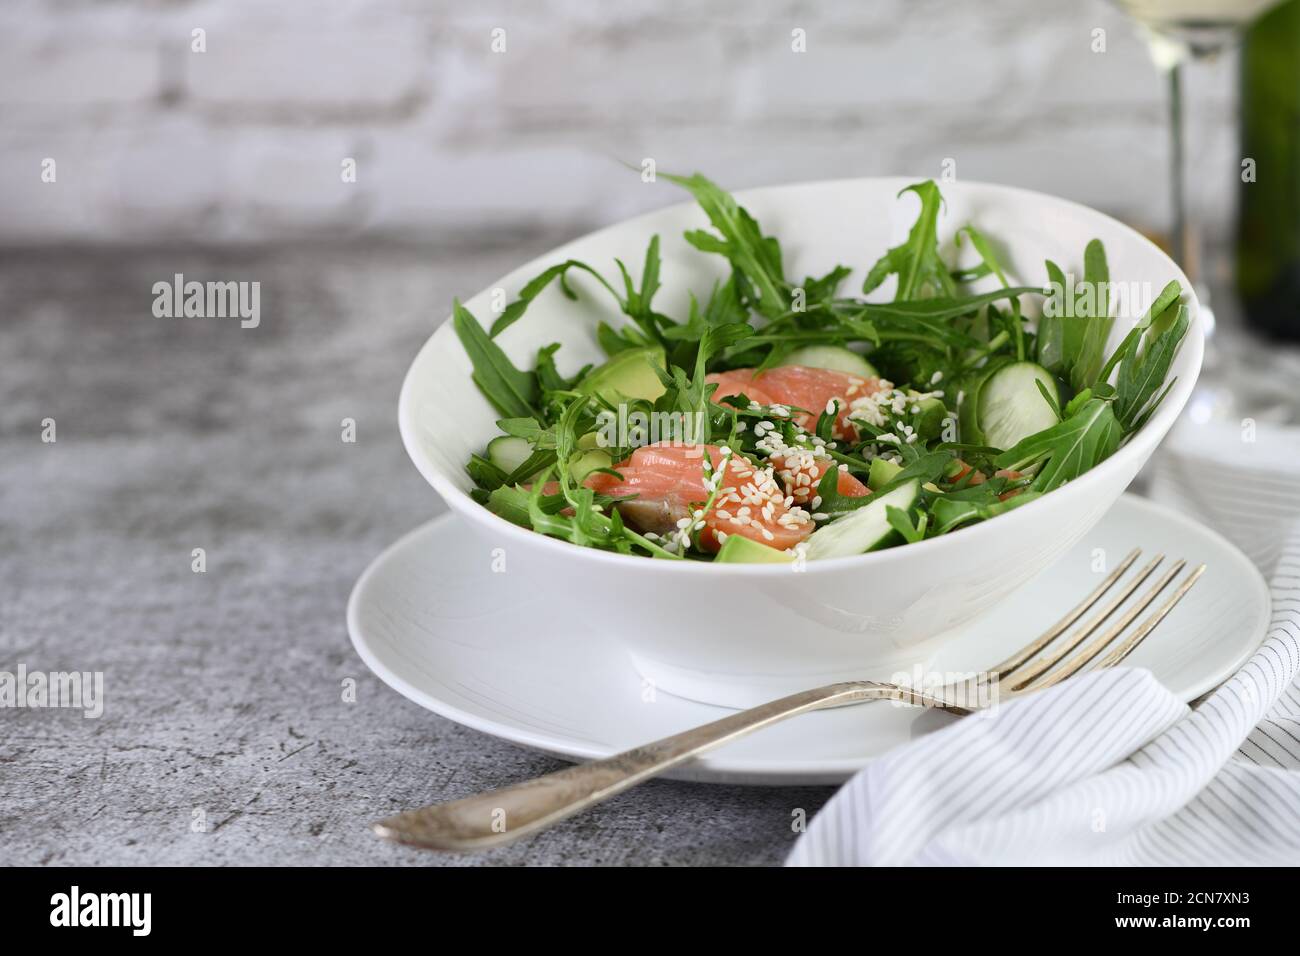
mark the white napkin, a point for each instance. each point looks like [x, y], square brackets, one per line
[1110, 768]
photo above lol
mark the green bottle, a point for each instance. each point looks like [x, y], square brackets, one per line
[1268, 226]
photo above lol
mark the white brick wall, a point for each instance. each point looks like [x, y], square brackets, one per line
[243, 143]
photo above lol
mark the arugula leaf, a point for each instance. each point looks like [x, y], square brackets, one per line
[1076, 321]
[1171, 293]
[534, 287]
[1050, 346]
[549, 379]
[512, 503]
[916, 262]
[992, 266]
[690, 396]
[755, 257]
[1087, 362]
[527, 428]
[614, 340]
[941, 307]
[512, 392]
[1142, 370]
[484, 473]
[951, 513]
[1069, 448]
[1052, 401]
[638, 300]
[635, 303]
[824, 287]
[901, 522]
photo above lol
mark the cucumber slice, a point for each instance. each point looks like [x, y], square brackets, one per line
[629, 374]
[587, 462]
[866, 529]
[1008, 405]
[833, 357]
[508, 452]
[741, 550]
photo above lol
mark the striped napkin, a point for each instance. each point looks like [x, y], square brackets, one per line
[1110, 768]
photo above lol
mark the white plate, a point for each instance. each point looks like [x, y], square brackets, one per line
[433, 619]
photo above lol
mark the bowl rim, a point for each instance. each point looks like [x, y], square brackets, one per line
[1149, 435]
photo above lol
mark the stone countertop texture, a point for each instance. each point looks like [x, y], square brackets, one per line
[225, 739]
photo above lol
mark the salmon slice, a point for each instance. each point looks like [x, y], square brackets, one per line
[669, 482]
[811, 389]
[739, 382]
[801, 471]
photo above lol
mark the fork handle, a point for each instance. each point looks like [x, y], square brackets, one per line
[502, 816]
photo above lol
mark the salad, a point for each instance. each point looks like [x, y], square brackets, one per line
[781, 420]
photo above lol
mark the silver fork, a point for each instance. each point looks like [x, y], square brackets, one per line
[502, 816]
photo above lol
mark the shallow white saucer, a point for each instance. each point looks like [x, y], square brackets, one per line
[433, 619]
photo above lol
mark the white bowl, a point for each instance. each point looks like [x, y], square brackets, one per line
[736, 634]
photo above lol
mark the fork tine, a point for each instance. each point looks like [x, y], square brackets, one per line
[1055, 631]
[1031, 671]
[1125, 647]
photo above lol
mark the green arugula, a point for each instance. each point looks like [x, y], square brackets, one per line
[916, 262]
[756, 258]
[512, 392]
[1067, 449]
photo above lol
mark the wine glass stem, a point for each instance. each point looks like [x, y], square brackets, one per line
[1182, 240]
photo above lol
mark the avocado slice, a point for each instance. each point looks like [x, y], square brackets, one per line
[741, 550]
[882, 472]
[930, 417]
[629, 374]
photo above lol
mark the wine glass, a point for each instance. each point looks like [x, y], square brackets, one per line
[1179, 32]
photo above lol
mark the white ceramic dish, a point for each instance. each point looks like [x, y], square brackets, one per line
[739, 634]
[499, 654]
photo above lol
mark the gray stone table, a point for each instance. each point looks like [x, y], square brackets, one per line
[225, 738]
